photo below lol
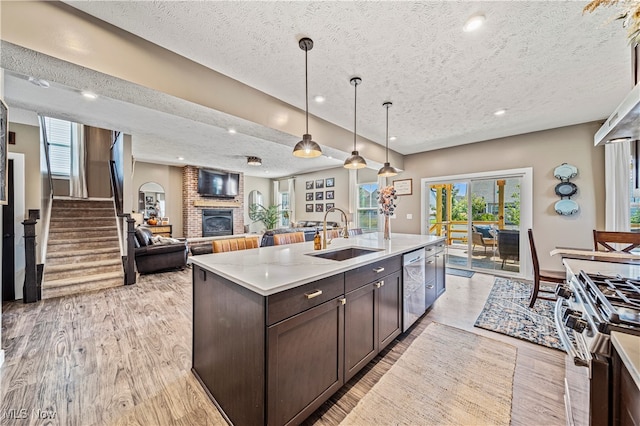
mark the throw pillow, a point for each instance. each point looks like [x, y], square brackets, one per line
[484, 230]
[160, 240]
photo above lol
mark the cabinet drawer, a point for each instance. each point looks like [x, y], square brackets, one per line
[371, 272]
[290, 302]
[430, 268]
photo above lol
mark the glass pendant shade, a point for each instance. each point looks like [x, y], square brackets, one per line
[307, 148]
[387, 170]
[355, 161]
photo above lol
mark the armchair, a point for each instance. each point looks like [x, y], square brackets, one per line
[478, 238]
[152, 257]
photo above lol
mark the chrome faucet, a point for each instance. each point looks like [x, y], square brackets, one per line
[345, 231]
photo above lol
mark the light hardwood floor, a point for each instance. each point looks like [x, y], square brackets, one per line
[123, 356]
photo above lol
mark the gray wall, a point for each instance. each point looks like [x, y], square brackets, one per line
[543, 151]
[265, 186]
[341, 193]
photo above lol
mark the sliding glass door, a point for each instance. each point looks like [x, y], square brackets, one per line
[480, 217]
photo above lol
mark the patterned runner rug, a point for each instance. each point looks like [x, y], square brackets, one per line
[447, 376]
[507, 311]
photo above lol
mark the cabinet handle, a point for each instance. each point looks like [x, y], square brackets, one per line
[431, 261]
[430, 249]
[313, 294]
[379, 284]
[429, 287]
[343, 301]
[378, 270]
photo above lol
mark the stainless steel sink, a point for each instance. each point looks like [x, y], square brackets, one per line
[345, 253]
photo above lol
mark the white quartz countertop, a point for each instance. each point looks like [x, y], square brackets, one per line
[628, 347]
[269, 270]
[604, 268]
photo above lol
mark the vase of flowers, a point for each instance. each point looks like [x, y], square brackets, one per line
[386, 198]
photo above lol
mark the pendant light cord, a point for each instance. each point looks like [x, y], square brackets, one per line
[355, 112]
[306, 89]
[386, 140]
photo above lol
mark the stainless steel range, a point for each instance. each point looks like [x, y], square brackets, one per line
[587, 310]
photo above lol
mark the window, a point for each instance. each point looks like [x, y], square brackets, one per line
[285, 209]
[59, 134]
[368, 207]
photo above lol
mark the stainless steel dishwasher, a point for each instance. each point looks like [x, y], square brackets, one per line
[413, 290]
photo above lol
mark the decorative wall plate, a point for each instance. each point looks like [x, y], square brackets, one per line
[566, 189]
[566, 207]
[565, 171]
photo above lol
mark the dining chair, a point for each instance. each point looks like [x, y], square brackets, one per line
[235, 244]
[288, 238]
[604, 239]
[557, 277]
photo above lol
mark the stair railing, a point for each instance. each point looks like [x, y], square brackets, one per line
[126, 230]
[47, 191]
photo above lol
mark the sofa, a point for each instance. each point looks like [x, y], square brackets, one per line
[155, 254]
[308, 227]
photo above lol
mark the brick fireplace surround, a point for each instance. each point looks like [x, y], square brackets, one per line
[192, 214]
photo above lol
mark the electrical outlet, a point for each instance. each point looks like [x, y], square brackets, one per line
[409, 216]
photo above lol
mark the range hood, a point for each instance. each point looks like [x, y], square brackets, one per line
[624, 123]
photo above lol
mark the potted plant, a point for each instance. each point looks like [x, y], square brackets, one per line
[269, 216]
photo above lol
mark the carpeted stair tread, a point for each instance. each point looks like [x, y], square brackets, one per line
[99, 239]
[49, 269]
[104, 228]
[63, 221]
[85, 252]
[81, 280]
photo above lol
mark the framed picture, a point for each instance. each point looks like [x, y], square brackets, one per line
[330, 182]
[329, 195]
[164, 221]
[319, 183]
[309, 208]
[329, 206]
[309, 184]
[149, 199]
[4, 157]
[403, 186]
[319, 196]
[319, 208]
[309, 196]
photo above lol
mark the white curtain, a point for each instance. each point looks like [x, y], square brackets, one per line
[292, 200]
[617, 157]
[77, 175]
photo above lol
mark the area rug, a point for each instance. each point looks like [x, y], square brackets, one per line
[460, 272]
[447, 376]
[507, 311]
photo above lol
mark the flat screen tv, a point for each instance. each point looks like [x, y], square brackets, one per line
[218, 184]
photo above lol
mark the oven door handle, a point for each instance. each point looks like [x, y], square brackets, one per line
[564, 337]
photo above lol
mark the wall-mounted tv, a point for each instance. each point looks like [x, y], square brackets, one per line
[213, 183]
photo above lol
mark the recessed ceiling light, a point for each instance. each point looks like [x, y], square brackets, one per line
[180, 158]
[39, 82]
[89, 95]
[319, 98]
[232, 131]
[500, 112]
[473, 23]
[393, 138]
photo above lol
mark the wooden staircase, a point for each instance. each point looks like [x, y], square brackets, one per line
[83, 252]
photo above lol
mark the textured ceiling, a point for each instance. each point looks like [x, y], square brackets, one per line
[545, 62]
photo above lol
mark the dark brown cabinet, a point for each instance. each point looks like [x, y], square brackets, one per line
[626, 395]
[372, 318]
[304, 362]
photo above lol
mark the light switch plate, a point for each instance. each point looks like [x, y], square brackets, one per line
[409, 216]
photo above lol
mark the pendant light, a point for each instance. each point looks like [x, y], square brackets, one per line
[306, 148]
[355, 161]
[387, 170]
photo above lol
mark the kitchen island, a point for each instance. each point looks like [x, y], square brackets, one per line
[276, 330]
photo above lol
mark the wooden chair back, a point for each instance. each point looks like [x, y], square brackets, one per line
[534, 256]
[288, 238]
[235, 244]
[604, 239]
